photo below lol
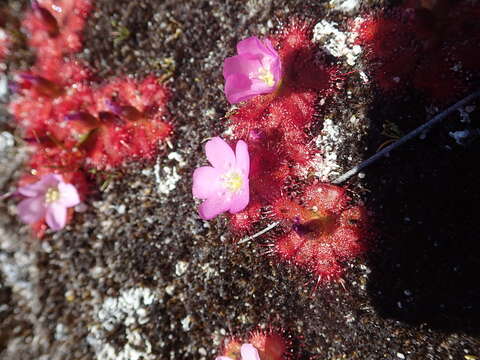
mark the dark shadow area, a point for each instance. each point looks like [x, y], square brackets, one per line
[426, 259]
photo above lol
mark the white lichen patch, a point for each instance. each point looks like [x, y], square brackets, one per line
[335, 42]
[167, 177]
[17, 270]
[345, 6]
[3, 85]
[328, 142]
[364, 77]
[127, 312]
[6, 141]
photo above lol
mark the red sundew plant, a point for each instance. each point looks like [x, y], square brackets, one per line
[275, 125]
[432, 46]
[73, 124]
[321, 230]
[319, 226]
[114, 124]
[266, 345]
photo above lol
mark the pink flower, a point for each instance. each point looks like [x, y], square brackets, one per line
[224, 185]
[255, 70]
[248, 352]
[48, 198]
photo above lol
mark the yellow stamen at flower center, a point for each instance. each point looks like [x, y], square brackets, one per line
[233, 181]
[266, 76]
[52, 195]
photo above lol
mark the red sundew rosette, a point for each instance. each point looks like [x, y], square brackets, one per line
[423, 45]
[131, 122]
[321, 231]
[44, 99]
[119, 122]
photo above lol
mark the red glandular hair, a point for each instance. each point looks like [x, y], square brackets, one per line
[429, 45]
[320, 228]
[73, 123]
[270, 345]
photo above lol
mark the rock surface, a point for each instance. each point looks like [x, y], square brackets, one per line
[140, 276]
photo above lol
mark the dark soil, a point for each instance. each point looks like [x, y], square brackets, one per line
[414, 295]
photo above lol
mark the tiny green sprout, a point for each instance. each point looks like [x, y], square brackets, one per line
[109, 177]
[120, 33]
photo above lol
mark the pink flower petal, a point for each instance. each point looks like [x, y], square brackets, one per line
[223, 358]
[242, 157]
[220, 154]
[276, 70]
[241, 199]
[33, 190]
[213, 206]
[238, 88]
[249, 352]
[253, 46]
[56, 216]
[269, 47]
[31, 210]
[41, 186]
[259, 87]
[240, 64]
[51, 179]
[206, 182]
[68, 195]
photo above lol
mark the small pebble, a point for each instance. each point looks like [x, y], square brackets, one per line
[181, 268]
[70, 296]
[186, 323]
